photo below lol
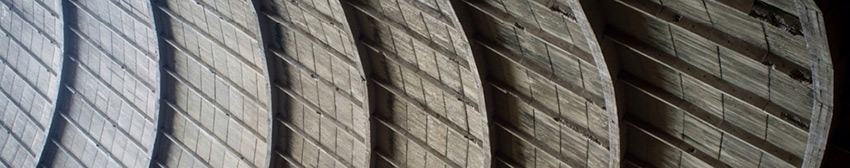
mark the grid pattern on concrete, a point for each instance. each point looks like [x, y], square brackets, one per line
[324, 120]
[733, 89]
[412, 83]
[217, 93]
[547, 93]
[426, 92]
[108, 117]
[29, 61]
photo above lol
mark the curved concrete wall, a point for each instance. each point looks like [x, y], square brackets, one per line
[413, 83]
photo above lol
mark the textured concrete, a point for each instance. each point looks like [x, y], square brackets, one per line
[30, 64]
[413, 83]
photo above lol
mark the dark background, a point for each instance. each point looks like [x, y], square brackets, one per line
[838, 145]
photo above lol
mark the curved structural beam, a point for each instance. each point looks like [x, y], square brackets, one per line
[61, 94]
[424, 74]
[475, 60]
[263, 34]
[608, 92]
[735, 44]
[315, 75]
[368, 102]
[158, 140]
[542, 88]
[730, 84]
[811, 20]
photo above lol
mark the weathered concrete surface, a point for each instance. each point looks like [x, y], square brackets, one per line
[413, 83]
